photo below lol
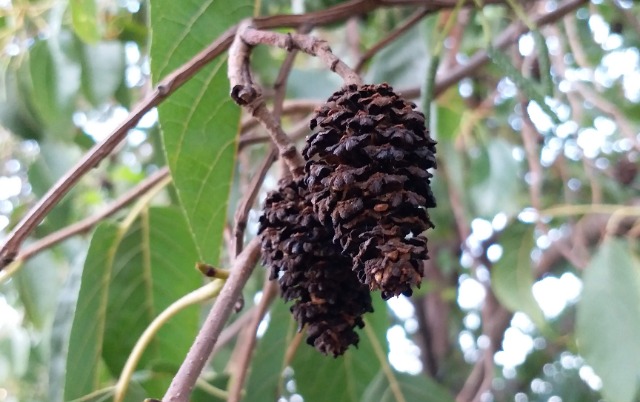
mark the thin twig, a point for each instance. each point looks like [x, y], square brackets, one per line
[206, 292]
[86, 224]
[242, 213]
[504, 39]
[290, 107]
[297, 132]
[184, 381]
[573, 40]
[249, 95]
[279, 87]
[308, 44]
[248, 342]
[392, 36]
[232, 330]
[280, 84]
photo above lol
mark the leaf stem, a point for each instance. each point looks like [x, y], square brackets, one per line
[413, 19]
[211, 271]
[384, 363]
[605, 209]
[91, 396]
[206, 292]
[211, 390]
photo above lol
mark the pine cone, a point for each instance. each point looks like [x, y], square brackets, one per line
[311, 271]
[368, 179]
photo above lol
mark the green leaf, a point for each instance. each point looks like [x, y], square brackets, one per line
[608, 321]
[544, 63]
[55, 82]
[103, 67]
[530, 88]
[87, 332]
[199, 122]
[265, 378]
[494, 183]
[128, 279]
[152, 268]
[38, 288]
[60, 330]
[512, 276]
[397, 63]
[412, 388]
[84, 17]
[55, 159]
[17, 113]
[344, 378]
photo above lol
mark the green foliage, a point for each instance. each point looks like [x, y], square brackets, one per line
[103, 67]
[412, 388]
[398, 62]
[87, 333]
[494, 179]
[55, 82]
[130, 276]
[512, 276]
[199, 122]
[84, 15]
[346, 378]
[531, 88]
[609, 319]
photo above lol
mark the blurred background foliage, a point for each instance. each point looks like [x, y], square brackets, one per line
[532, 292]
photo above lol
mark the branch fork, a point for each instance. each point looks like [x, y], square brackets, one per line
[246, 93]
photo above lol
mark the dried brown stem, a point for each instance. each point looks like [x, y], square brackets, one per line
[308, 44]
[298, 132]
[88, 223]
[249, 95]
[504, 39]
[248, 342]
[392, 36]
[249, 198]
[280, 84]
[290, 107]
[232, 330]
[184, 381]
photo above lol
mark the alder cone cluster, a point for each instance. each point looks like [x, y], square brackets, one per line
[311, 271]
[368, 181]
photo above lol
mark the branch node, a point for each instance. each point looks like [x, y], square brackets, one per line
[7, 259]
[243, 95]
[164, 89]
[212, 272]
[334, 64]
[289, 44]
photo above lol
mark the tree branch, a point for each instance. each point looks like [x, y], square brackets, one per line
[184, 381]
[88, 223]
[504, 39]
[248, 341]
[246, 202]
[393, 35]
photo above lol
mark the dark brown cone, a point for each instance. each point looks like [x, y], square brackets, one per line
[311, 271]
[367, 173]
